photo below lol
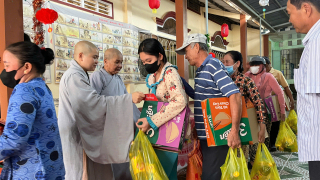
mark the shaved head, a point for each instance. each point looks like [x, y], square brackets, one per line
[113, 61]
[83, 47]
[112, 53]
[86, 54]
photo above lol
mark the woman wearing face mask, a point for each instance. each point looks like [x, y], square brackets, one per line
[233, 63]
[266, 84]
[163, 81]
[30, 143]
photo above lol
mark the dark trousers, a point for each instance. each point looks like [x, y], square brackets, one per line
[314, 170]
[274, 133]
[121, 171]
[213, 159]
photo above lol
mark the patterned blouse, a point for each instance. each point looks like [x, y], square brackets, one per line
[30, 144]
[169, 88]
[250, 91]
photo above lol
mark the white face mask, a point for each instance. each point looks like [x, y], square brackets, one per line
[254, 69]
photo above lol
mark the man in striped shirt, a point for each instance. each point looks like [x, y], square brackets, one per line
[305, 17]
[211, 81]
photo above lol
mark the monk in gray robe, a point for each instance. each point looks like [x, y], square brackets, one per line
[96, 130]
[106, 82]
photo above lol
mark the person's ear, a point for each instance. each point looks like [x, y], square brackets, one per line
[160, 58]
[306, 9]
[80, 56]
[238, 63]
[197, 46]
[28, 68]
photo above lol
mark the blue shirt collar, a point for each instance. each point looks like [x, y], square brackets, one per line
[205, 62]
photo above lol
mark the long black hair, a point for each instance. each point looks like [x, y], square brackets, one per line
[236, 56]
[31, 53]
[152, 47]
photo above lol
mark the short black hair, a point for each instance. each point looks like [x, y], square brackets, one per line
[267, 60]
[298, 3]
[236, 56]
[152, 47]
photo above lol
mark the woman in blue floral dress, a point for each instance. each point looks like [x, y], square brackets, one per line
[30, 144]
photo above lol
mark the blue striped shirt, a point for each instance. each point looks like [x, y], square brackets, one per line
[211, 81]
[307, 85]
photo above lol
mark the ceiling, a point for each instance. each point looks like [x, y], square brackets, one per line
[276, 17]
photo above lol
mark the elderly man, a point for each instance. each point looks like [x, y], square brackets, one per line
[305, 17]
[211, 81]
[106, 82]
[93, 134]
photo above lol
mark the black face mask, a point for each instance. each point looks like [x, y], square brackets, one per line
[152, 68]
[7, 78]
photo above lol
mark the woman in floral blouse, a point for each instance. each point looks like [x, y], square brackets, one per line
[164, 81]
[233, 62]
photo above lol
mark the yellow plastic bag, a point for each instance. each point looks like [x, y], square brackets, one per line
[292, 121]
[235, 168]
[264, 167]
[144, 163]
[286, 140]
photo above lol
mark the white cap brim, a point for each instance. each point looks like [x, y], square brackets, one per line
[181, 50]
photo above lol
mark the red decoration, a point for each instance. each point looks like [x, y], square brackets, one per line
[46, 16]
[37, 26]
[212, 54]
[224, 31]
[154, 5]
[50, 29]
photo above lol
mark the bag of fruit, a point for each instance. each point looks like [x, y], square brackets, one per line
[264, 166]
[235, 168]
[144, 163]
[286, 139]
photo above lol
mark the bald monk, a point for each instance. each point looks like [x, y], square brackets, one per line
[93, 135]
[106, 82]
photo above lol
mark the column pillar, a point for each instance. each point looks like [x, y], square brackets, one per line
[11, 31]
[181, 33]
[266, 45]
[243, 39]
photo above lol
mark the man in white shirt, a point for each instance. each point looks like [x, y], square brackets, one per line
[305, 17]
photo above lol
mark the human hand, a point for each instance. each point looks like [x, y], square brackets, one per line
[137, 97]
[283, 117]
[144, 126]
[291, 105]
[262, 132]
[234, 139]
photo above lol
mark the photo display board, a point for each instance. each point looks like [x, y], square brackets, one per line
[74, 25]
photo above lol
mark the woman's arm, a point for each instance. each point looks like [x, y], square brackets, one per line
[22, 110]
[177, 99]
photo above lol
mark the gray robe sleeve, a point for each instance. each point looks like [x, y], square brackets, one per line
[97, 82]
[104, 123]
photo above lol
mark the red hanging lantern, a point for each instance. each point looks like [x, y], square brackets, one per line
[224, 31]
[154, 5]
[46, 16]
[212, 54]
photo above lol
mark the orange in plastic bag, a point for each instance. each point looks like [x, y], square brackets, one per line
[264, 167]
[144, 163]
[292, 121]
[235, 168]
[286, 139]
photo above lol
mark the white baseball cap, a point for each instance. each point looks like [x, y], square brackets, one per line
[197, 38]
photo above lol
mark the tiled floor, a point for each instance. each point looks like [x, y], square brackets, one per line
[293, 170]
